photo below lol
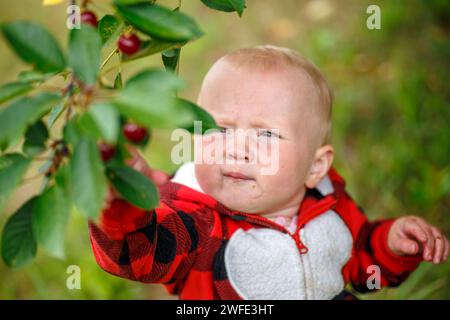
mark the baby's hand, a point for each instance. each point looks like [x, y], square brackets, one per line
[137, 162]
[411, 235]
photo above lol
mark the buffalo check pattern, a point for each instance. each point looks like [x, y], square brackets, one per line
[182, 244]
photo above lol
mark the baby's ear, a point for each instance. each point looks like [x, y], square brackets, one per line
[322, 161]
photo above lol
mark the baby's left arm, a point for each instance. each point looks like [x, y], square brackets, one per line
[396, 246]
[411, 235]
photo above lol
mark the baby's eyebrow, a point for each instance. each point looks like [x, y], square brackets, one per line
[263, 125]
[258, 123]
[224, 120]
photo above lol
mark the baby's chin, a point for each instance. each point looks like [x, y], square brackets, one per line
[239, 205]
[238, 200]
[234, 194]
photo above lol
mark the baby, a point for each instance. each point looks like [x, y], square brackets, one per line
[226, 230]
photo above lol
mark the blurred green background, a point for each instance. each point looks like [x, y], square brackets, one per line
[391, 119]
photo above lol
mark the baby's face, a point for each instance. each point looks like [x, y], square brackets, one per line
[262, 101]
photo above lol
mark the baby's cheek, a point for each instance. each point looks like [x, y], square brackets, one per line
[208, 149]
[276, 184]
[292, 168]
[208, 177]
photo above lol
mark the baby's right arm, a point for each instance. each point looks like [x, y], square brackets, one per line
[147, 246]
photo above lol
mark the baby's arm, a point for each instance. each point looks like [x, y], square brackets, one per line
[384, 243]
[148, 246]
[370, 249]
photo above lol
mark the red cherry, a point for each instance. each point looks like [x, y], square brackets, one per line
[90, 18]
[135, 133]
[129, 44]
[107, 151]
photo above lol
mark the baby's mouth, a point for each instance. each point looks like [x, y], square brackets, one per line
[237, 176]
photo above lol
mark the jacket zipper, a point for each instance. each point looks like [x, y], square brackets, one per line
[303, 219]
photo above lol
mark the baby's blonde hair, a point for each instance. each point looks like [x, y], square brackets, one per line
[268, 56]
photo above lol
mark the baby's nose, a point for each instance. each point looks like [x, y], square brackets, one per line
[238, 147]
[238, 155]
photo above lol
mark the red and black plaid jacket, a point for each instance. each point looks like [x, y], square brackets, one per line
[199, 249]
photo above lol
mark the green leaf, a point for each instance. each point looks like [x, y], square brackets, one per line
[12, 168]
[62, 178]
[15, 118]
[170, 58]
[106, 119]
[109, 28]
[136, 188]
[100, 122]
[87, 127]
[12, 90]
[88, 182]
[84, 53]
[33, 76]
[25, 83]
[35, 45]
[200, 114]
[56, 112]
[160, 22]
[149, 99]
[118, 84]
[35, 139]
[155, 80]
[226, 5]
[151, 47]
[72, 132]
[18, 242]
[50, 217]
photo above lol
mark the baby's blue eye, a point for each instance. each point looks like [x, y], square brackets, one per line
[268, 133]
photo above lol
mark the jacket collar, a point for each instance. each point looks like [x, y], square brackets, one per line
[185, 186]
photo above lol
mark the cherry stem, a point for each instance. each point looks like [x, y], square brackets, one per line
[108, 58]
